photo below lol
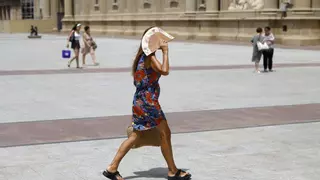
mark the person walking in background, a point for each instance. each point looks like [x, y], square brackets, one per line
[89, 46]
[256, 55]
[74, 38]
[268, 54]
[147, 113]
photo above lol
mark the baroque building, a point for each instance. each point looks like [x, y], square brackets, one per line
[233, 20]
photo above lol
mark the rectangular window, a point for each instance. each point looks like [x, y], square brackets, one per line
[27, 9]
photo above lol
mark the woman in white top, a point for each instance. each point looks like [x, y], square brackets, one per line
[74, 38]
[268, 54]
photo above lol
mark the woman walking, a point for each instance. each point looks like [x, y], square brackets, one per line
[74, 38]
[268, 54]
[256, 56]
[147, 113]
[89, 46]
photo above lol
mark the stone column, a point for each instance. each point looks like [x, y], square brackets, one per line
[122, 6]
[77, 8]
[191, 5]
[212, 5]
[85, 10]
[131, 6]
[46, 9]
[271, 4]
[4, 14]
[103, 6]
[36, 9]
[1, 16]
[54, 8]
[13, 13]
[302, 4]
[224, 5]
[8, 12]
[159, 5]
[67, 8]
[19, 13]
[315, 4]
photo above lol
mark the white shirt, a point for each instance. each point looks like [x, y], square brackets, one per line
[269, 39]
[77, 36]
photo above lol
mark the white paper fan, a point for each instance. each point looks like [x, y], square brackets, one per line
[151, 40]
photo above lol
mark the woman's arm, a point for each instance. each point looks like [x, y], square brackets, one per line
[163, 68]
[69, 38]
[272, 38]
[84, 37]
[70, 35]
[253, 41]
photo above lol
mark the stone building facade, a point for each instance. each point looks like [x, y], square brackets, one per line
[16, 16]
[233, 20]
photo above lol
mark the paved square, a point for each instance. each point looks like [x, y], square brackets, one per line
[229, 123]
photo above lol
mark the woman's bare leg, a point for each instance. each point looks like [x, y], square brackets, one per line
[257, 66]
[166, 148]
[123, 150]
[84, 59]
[72, 59]
[76, 52]
[93, 56]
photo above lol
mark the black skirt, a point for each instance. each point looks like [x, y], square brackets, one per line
[75, 44]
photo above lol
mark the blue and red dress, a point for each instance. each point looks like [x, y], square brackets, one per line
[147, 112]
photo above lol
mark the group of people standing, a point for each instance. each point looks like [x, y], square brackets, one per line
[89, 46]
[267, 38]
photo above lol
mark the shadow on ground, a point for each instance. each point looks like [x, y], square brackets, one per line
[152, 173]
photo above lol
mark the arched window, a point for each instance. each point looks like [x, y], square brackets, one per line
[174, 4]
[146, 4]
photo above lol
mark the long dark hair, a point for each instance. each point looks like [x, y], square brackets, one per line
[74, 27]
[139, 54]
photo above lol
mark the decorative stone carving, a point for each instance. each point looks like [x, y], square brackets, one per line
[146, 4]
[246, 5]
[202, 5]
[115, 5]
[174, 4]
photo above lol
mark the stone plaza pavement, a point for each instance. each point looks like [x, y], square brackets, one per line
[228, 122]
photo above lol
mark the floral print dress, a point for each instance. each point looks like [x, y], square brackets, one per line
[147, 113]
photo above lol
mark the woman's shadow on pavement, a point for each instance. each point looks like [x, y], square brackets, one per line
[152, 173]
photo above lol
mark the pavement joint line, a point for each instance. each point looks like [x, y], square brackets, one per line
[173, 133]
[192, 111]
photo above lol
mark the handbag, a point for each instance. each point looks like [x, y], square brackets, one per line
[94, 45]
[147, 138]
[66, 53]
[262, 46]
